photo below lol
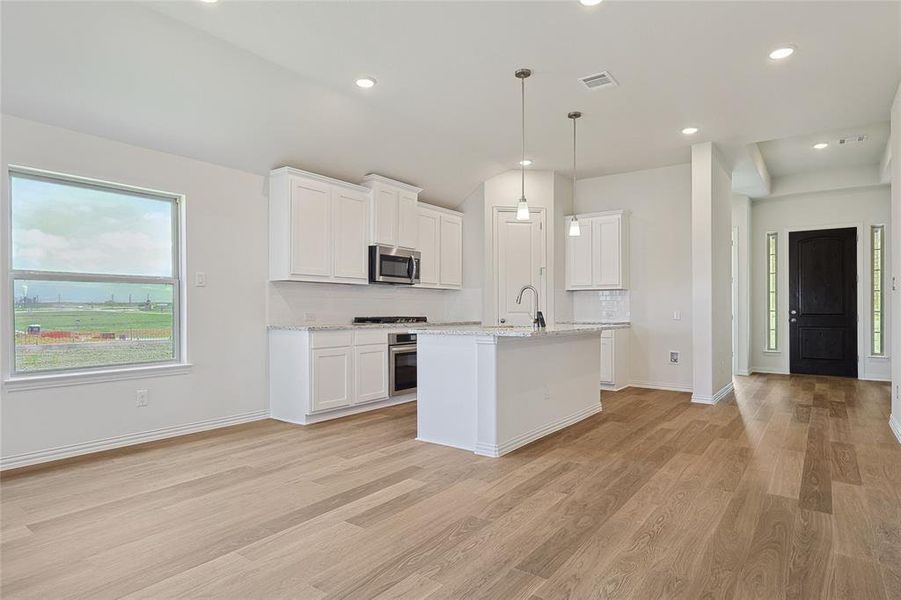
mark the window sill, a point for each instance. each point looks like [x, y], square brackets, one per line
[36, 382]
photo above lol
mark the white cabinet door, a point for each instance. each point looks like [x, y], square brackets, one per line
[429, 232]
[607, 363]
[450, 270]
[333, 378]
[606, 251]
[384, 216]
[311, 248]
[578, 256]
[350, 227]
[407, 220]
[371, 368]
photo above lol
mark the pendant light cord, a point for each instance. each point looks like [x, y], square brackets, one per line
[574, 156]
[522, 165]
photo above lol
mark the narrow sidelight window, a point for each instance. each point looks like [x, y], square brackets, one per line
[877, 257]
[771, 332]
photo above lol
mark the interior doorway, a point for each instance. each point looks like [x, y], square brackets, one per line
[521, 258]
[822, 274]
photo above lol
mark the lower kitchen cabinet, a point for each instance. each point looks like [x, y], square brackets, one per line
[614, 359]
[320, 375]
[371, 372]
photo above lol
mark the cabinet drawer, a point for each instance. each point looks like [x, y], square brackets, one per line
[331, 339]
[376, 336]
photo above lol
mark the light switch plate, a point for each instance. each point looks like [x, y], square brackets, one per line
[674, 357]
[677, 315]
[200, 279]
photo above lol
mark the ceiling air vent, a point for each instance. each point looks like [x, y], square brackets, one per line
[852, 139]
[599, 80]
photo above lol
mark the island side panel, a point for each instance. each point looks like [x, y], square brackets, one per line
[543, 385]
[446, 390]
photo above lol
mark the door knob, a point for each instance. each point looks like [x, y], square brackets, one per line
[503, 320]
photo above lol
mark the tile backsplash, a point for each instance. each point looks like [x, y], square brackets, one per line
[295, 303]
[603, 305]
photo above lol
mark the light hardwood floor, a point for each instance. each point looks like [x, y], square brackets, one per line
[790, 490]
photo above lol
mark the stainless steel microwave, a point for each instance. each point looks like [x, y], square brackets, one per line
[393, 265]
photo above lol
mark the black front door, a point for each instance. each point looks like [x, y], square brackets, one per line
[822, 271]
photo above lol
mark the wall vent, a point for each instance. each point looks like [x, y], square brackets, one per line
[852, 139]
[599, 80]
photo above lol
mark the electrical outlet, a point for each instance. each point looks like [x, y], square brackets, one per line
[200, 279]
[141, 396]
[674, 357]
[677, 315]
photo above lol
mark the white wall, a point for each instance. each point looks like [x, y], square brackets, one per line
[741, 224]
[711, 272]
[659, 205]
[818, 210]
[896, 256]
[225, 320]
[563, 206]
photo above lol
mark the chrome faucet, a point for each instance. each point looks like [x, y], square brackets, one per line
[538, 322]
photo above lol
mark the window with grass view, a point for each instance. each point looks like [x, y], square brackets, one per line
[877, 244]
[771, 299]
[94, 275]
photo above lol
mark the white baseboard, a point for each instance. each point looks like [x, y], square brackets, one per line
[767, 371]
[50, 454]
[606, 387]
[656, 385]
[895, 426]
[351, 410]
[496, 450]
[743, 373]
[884, 379]
[722, 393]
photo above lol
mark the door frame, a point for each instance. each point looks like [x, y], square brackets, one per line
[863, 282]
[735, 300]
[548, 309]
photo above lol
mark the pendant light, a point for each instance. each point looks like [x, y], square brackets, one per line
[522, 207]
[574, 229]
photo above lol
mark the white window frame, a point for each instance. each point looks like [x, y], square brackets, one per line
[54, 377]
[881, 227]
[775, 289]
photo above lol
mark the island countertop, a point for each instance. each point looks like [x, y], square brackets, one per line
[560, 329]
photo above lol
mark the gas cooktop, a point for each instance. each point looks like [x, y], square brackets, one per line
[364, 320]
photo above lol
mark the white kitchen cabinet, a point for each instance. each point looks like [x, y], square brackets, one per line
[395, 212]
[614, 359]
[429, 249]
[333, 378]
[371, 372]
[450, 271]
[318, 228]
[598, 259]
[320, 375]
[440, 247]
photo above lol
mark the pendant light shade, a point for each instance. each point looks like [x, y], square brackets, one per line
[575, 230]
[522, 207]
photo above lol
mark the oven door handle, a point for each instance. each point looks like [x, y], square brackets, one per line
[403, 349]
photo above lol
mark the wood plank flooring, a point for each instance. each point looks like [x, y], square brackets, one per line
[790, 489]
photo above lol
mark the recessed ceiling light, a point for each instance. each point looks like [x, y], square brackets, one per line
[690, 130]
[525, 163]
[590, 2]
[782, 53]
[820, 145]
[209, 1]
[365, 82]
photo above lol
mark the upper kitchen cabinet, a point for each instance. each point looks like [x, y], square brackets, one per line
[395, 212]
[598, 259]
[440, 233]
[318, 228]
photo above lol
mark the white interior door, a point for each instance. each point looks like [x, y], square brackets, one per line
[521, 258]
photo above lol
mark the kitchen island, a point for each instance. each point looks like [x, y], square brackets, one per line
[490, 390]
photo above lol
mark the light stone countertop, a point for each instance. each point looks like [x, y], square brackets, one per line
[346, 326]
[560, 329]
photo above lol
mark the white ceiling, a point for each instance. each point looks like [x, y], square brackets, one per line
[789, 156]
[255, 85]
